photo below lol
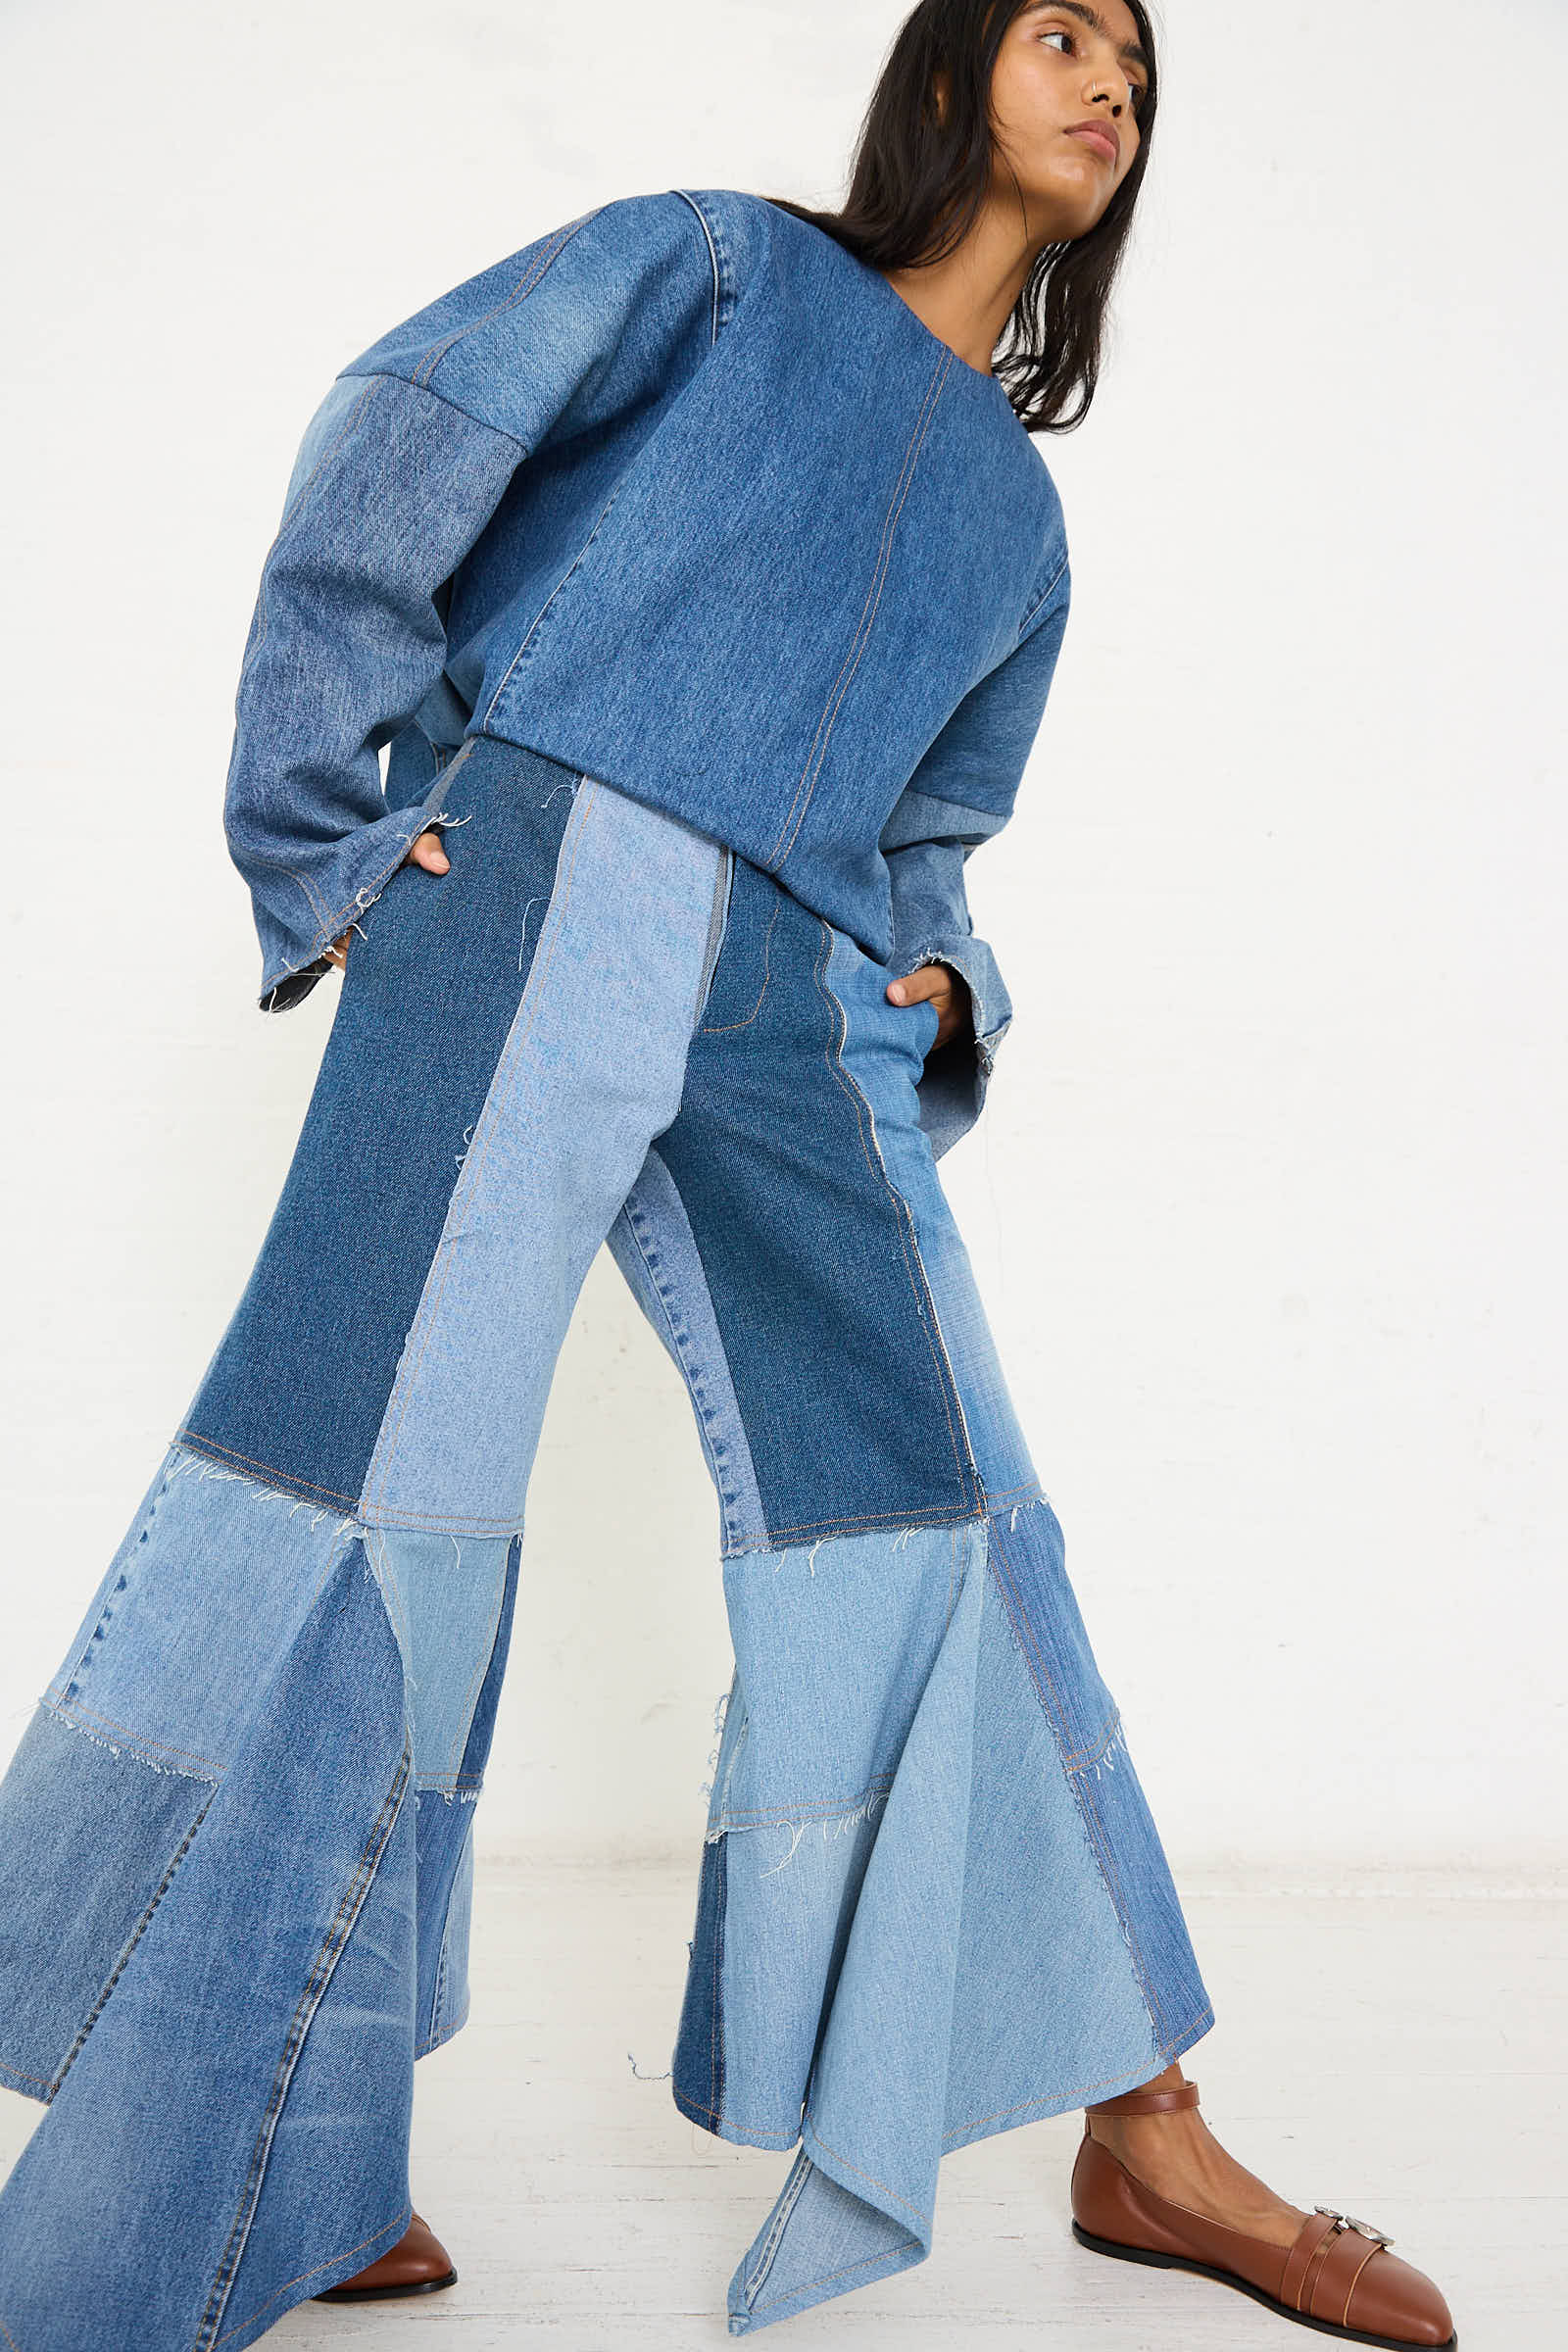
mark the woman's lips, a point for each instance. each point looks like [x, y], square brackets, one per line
[1103, 141]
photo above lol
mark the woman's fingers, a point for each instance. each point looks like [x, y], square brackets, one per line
[939, 985]
[425, 850]
[428, 852]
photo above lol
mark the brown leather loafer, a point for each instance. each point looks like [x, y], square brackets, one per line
[1338, 2276]
[418, 2265]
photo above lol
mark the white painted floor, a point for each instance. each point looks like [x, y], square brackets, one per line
[1399, 2055]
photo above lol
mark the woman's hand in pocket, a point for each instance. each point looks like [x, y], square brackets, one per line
[425, 851]
[939, 985]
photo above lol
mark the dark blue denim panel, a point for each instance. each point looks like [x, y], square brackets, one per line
[443, 1822]
[696, 2078]
[1128, 1849]
[299, 1383]
[819, 1295]
[88, 1838]
[1027, 1551]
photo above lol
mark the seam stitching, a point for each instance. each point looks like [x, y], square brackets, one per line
[796, 813]
[430, 359]
[473, 1164]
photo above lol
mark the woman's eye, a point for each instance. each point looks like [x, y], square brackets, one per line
[1136, 90]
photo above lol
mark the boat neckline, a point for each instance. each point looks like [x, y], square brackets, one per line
[890, 293]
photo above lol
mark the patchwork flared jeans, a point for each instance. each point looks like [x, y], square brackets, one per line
[236, 1838]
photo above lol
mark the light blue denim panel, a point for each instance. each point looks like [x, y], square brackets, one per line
[1048, 2006]
[243, 2099]
[1047, 2003]
[817, 2240]
[448, 1600]
[873, 1029]
[89, 1837]
[1028, 1566]
[115, 1774]
[211, 1583]
[874, 2117]
[834, 1643]
[444, 1594]
[790, 1894]
[590, 1073]
[653, 1244]
[982, 1903]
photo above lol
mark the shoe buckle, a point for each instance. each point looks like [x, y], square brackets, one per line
[1347, 2221]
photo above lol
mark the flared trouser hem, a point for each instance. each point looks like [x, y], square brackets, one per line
[236, 1860]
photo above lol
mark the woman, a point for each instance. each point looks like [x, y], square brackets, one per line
[700, 574]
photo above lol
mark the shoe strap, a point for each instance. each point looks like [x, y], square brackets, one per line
[1146, 2102]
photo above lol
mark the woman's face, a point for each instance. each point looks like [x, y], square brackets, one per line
[1063, 64]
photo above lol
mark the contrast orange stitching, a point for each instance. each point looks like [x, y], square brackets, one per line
[70, 1707]
[935, 1518]
[758, 2135]
[821, 1808]
[999, 1498]
[439, 1523]
[1041, 597]
[400, 2226]
[431, 359]
[822, 2278]
[186, 1436]
[874, 596]
[871, 2177]
[722, 1028]
[19, 2075]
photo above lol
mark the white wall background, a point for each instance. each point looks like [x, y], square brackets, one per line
[1268, 1205]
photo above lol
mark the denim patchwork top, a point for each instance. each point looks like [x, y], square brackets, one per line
[686, 496]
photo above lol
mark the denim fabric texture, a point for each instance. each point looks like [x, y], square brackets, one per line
[236, 1879]
[686, 496]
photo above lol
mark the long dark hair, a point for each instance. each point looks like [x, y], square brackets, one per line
[917, 184]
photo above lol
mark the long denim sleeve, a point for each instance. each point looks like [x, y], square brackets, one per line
[391, 487]
[401, 470]
[962, 793]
